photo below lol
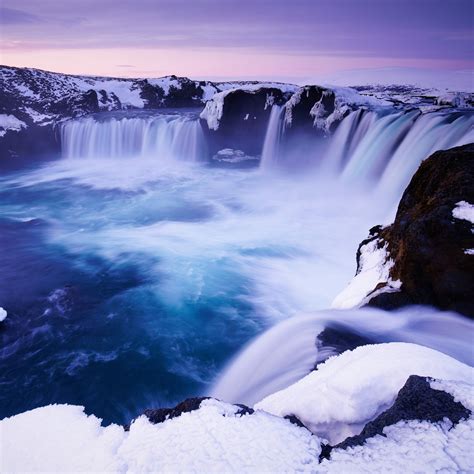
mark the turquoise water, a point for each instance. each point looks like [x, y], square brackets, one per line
[130, 284]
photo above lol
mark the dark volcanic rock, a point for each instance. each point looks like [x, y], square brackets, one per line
[160, 415]
[415, 401]
[337, 339]
[426, 243]
[305, 104]
[244, 120]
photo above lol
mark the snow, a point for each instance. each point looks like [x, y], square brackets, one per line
[36, 116]
[26, 91]
[347, 391]
[454, 99]
[346, 99]
[208, 91]
[214, 438]
[128, 95]
[214, 109]
[415, 446]
[166, 83]
[375, 266]
[469, 251]
[10, 122]
[3, 314]
[465, 211]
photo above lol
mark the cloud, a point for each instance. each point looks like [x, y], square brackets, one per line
[11, 16]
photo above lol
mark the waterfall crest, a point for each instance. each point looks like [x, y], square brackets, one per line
[162, 137]
[382, 147]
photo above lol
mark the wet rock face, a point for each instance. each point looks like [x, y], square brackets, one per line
[244, 120]
[427, 243]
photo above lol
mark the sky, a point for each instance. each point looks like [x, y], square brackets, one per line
[294, 40]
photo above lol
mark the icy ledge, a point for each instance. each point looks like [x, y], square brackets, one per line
[218, 437]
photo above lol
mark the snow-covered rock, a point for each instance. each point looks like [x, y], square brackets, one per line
[424, 257]
[3, 314]
[417, 444]
[10, 122]
[347, 391]
[372, 277]
[213, 438]
[435, 432]
[237, 118]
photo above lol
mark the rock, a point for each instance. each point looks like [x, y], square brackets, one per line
[161, 414]
[430, 248]
[307, 104]
[238, 118]
[416, 400]
[337, 339]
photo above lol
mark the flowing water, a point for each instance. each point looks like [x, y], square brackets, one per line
[133, 272]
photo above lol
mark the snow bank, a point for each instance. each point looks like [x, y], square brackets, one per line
[214, 438]
[415, 446]
[347, 391]
[465, 211]
[127, 92]
[3, 314]
[374, 268]
[10, 122]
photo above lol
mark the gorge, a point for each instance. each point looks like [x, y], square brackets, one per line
[163, 239]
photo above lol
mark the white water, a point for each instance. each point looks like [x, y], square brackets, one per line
[162, 137]
[287, 352]
[271, 145]
[378, 148]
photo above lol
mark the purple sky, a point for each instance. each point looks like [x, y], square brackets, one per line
[290, 40]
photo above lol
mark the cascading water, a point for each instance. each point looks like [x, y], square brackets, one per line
[379, 146]
[288, 351]
[271, 144]
[166, 137]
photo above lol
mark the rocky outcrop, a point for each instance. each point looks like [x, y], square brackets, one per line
[416, 400]
[430, 245]
[236, 114]
[238, 118]
[427, 255]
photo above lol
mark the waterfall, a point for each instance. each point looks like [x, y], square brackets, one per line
[380, 148]
[288, 351]
[271, 144]
[163, 137]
